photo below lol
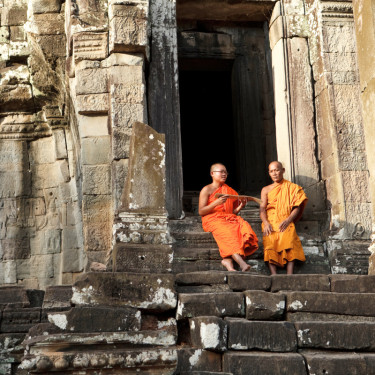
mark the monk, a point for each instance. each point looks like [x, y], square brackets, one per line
[233, 235]
[282, 205]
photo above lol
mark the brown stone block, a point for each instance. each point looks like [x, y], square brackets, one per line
[153, 292]
[355, 185]
[14, 98]
[121, 144]
[300, 282]
[54, 45]
[128, 29]
[13, 297]
[199, 278]
[98, 237]
[97, 319]
[336, 335]
[90, 46]
[221, 304]
[19, 320]
[248, 282]
[142, 258]
[320, 362]
[91, 81]
[58, 297]
[17, 34]
[352, 283]
[255, 363]
[119, 173]
[208, 332]
[267, 336]
[332, 303]
[261, 305]
[321, 317]
[93, 104]
[45, 6]
[96, 150]
[48, 24]
[97, 180]
[198, 360]
[13, 15]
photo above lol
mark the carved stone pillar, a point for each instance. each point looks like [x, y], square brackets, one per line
[365, 34]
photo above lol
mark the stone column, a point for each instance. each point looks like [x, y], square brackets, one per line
[341, 142]
[364, 16]
[163, 96]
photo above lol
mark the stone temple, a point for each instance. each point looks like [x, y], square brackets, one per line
[111, 113]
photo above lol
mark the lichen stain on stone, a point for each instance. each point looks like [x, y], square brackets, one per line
[58, 320]
[193, 360]
[210, 335]
[296, 305]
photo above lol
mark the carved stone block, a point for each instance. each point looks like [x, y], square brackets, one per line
[15, 184]
[42, 266]
[128, 29]
[93, 104]
[54, 45]
[57, 297]
[13, 297]
[90, 46]
[46, 242]
[17, 97]
[19, 320]
[15, 248]
[355, 185]
[91, 81]
[119, 173]
[50, 175]
[339, 38]
[13, 155]
[121, 143]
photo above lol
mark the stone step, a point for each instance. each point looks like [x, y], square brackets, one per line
[265, 363]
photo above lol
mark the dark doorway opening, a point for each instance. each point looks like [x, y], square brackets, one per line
[207, 129]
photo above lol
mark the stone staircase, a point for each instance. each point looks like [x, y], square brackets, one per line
[197, 323]
[196, 250]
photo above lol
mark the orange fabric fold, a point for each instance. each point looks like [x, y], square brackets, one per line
[283, 247]
[232, 234]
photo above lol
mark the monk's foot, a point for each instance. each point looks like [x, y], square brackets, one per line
[228, 264]
[245, 268]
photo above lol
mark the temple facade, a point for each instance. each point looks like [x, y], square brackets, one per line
[111, 113]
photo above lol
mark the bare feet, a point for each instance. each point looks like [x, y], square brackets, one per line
[228, 264]
[245, 268]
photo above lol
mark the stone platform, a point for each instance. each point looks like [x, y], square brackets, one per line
[197, 323]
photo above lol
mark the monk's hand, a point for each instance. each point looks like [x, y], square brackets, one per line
[221, 200]
[267, 229]
[284, 224]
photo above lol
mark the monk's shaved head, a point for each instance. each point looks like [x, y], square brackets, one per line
[216, 165]
[276, 163]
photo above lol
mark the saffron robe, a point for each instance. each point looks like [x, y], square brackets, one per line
[283, 247]
[232, 234]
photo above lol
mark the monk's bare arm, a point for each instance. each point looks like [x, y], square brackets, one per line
[267, 227]
[204, 208]
[293, 215]
[238, 206]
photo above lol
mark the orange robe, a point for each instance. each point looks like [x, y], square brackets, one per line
[233, 234]
[280, 247]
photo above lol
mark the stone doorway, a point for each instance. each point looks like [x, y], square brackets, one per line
[226, 102]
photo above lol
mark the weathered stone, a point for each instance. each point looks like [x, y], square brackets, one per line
[321, 317]
[97, 319]
[93, 126]
[128, 26]
[199, 278]
[47, 24]
[248, 282]
[208, 332]
[14, 15]
[92, 104]
[147, 154]
[19, 320]
[90, 46]
[336, 335]
[141, 258]
[45, 6]
[96, 150]
[60, 144]
[96, 179]
[13, 297]
[264, 363]
[153, 292]
[57, 297]
[268, 336]
[11, 343]
[262, 305]
[53, 45]
[91, 81]
[35, 297]
[222, 304]
[300, 282]
[198, 360]
[352, 284]
[331, 303]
